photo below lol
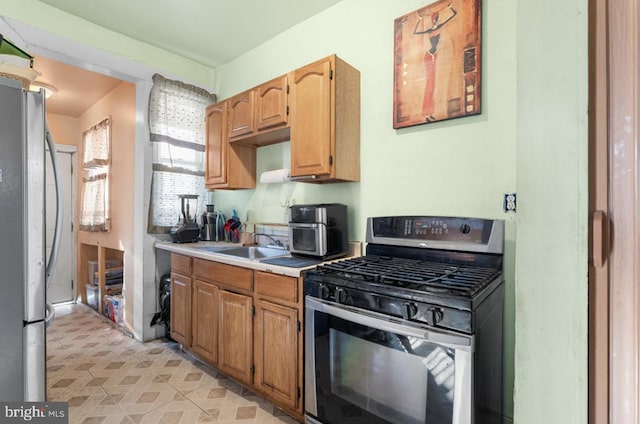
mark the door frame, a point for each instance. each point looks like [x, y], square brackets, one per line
[614, 191]
[73, 151]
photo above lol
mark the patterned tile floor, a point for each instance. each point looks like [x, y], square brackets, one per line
[108, 377]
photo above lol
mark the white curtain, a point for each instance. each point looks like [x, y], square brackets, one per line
[177, 130]
[96, 153]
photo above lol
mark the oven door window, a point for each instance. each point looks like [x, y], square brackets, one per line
[365, 375]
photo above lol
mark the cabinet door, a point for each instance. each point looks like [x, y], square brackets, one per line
[235, 335]
[216, 148]
[271, 103]
[277, 352]
[204, 341]
[241, 120]
[311, 131]
[181, 308]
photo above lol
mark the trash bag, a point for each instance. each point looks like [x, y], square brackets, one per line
[164, 301]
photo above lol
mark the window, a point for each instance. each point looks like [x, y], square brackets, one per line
[177, 131]
[96, 147]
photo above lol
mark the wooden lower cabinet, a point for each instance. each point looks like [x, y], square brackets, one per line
[235, 340]
[204, 334]
[181, 308]
[245, 323]
[276, 352]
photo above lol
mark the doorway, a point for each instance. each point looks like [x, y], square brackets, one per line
[62, 286]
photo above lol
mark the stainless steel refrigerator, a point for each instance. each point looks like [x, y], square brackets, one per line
[24, 270]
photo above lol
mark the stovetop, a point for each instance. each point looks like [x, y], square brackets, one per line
[449, 262]
[400, 274]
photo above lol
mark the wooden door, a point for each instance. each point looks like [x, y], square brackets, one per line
[276, 352]
[235, 335]
[204, 333]
[311, 131]
[181, 308]
[614, 280]
[271, 103]
[241, 121]
[216, 148]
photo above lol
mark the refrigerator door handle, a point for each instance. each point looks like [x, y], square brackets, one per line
[49, 315]
[57, 233]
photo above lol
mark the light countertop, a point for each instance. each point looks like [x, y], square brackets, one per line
[195, 250]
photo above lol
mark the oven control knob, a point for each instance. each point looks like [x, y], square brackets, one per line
[341, 295]
[323, 291]
[465, 228]
[434, 315]
[409, 311]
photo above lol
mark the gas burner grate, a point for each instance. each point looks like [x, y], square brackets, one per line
[412, 274]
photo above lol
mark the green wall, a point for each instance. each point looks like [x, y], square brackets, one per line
[552, 175]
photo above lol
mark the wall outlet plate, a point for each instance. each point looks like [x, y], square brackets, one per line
[509, 204]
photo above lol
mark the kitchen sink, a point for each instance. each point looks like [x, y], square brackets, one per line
[210, 249]
[254, 252]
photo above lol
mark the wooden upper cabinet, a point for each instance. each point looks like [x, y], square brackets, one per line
[311, 120]
[316, 107]
[325, 121]
[241, 116]
[227, 166]
[271, 103]
[216, 146]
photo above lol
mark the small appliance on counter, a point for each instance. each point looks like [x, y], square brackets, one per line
[212, 225]
[319, 230]
[187, 230]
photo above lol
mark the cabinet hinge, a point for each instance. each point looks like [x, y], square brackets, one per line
[72, 227]
[253, 311]
[298, 392]
[331, 74]
[298, 326]
[287, 88]
[287, 109]
[72, 282]
[253, 369]
[330, 160]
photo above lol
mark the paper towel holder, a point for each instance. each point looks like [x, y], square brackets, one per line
[275, 176]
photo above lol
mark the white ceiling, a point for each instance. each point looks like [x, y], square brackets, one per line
[210, 32]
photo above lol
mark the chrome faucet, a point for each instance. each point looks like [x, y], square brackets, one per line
[275, 241]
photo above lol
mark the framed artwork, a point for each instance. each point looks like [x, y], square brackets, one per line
[437, 63]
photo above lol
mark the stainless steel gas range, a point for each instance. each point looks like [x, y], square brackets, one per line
[410, 333]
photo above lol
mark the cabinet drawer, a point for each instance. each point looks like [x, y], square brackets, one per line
[229, 275]
[277, 286]
[181, 263]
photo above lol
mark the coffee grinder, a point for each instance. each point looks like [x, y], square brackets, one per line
[187, 229]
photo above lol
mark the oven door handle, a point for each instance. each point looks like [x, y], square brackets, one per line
[304, 224]
[382, 322]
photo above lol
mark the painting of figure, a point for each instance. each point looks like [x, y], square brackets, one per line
[437, 63]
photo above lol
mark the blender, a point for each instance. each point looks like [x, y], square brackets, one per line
[187, 229]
